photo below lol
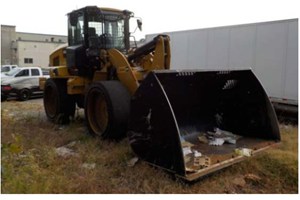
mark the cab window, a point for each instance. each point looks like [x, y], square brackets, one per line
[76, 30]
[35, 72]
[24, 72]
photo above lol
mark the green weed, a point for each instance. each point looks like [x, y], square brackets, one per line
[30, 163]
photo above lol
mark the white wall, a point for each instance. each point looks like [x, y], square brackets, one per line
[38, 51]
[269, 48]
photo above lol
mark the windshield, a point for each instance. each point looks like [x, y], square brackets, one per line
[13, 72]
[110, 30]
[114, 29]
[5, 69]
[103, 30]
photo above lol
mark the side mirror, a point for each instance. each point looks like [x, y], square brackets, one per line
[139, 24]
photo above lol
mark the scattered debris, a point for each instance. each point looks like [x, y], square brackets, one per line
[197, 154]
[71, 144]
[58, 127]
[65, 152]
[230, 191]
[218, 137]
[203, 139]
[186, 151]
[239, 181]
[226, 136]
[132, 161]
[61, 127]
[88, 165]
[194, 160]
[216, 141]
[186, 144]
[244, 152]
[202, 161]
[252, 178]
[187, 159]
[188, 169]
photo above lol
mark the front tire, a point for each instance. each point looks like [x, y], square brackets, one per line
[59, 106]
[24, 94]
[107, 107]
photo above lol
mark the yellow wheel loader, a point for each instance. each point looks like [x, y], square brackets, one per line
[190, 123]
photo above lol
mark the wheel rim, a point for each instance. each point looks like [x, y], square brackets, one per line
[25, 95]
[97, 112]
[50, 102]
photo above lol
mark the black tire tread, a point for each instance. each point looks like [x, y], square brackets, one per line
[66, 103]
[118, 101]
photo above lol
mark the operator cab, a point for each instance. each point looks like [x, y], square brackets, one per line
[91, 29]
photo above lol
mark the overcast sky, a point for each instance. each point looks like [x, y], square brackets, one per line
[49, 17]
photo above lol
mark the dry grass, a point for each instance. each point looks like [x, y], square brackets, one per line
[30, 164]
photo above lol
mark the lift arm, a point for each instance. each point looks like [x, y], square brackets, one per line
[154, 55]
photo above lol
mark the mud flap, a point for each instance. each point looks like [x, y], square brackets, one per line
[170, 107]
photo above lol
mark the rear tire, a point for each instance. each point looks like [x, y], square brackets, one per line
[24, 94]
[3, 98]
[107, 107]
[59, 106]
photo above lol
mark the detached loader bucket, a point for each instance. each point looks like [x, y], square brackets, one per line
[193, 123]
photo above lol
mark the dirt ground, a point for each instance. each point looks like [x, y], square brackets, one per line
[38, 157]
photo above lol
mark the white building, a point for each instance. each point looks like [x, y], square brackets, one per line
[27, 49]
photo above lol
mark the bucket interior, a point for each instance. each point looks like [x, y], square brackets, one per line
[185, 106]
[233, 101]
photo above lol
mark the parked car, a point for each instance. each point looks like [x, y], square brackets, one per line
[22, 82]
[7, 68]
[11, 73]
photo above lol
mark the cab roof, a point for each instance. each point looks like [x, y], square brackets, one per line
[104, 9]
